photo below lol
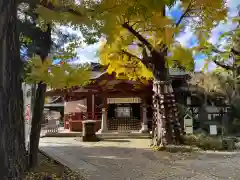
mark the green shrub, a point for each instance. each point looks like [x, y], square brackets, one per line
[203, 141]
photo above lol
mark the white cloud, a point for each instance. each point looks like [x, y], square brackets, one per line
[216, 32]
[185, 37]
[87, 54]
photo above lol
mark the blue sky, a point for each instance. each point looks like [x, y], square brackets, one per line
[88, 53]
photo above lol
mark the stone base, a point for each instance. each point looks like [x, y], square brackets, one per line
[92, 138]
[144, 129]
[100, 131]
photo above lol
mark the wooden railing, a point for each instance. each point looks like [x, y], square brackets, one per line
[80, 116]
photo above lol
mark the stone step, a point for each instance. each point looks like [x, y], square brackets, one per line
[113, 135]
[72, 134]
[123, 135]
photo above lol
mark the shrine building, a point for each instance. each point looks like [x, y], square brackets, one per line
[116, 104]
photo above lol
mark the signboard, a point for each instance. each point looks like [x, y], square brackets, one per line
[188, 129]
[27, 98]
[188, 121]
[123, 100]
[213, 129]
[188, 124]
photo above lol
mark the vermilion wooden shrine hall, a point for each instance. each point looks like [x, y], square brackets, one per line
[115, 104]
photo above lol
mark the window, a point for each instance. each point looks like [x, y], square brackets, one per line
[123, 111]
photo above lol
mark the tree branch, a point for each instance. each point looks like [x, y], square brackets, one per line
[61, 9]
[222, 65]
[145, 61]
[216, 50]
[130, 55]
[138, 36]
[184, 14]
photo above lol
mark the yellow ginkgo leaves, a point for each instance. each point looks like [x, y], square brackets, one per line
[184, 56]
[149, 20]
[61, 75]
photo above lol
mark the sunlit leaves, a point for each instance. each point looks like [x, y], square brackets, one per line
[62, 75]
[25, 40]
[39, 70]
[148, 18]
[65, 75]
[122, 63]
[207, 14]
[183, 55]
[59, 75]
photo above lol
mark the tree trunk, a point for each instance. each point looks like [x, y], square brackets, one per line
[166, 121]
[36, 124]
[39, 103]
[12, 141]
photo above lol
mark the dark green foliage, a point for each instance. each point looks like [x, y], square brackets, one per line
[203, 141]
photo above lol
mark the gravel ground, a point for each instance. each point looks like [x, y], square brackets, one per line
[131, 159]
[48, 169]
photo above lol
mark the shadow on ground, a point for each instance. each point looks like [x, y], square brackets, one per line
[123, 161]
[115, 140]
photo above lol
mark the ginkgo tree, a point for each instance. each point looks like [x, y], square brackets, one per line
[139, 41]
[60, 75]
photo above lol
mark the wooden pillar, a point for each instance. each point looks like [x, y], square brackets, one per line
[104, 126]
[93, 106]
[105, 105]
[89, 105]
[66, 118]
[144, 118]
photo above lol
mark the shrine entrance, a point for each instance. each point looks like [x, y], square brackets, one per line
[124, 114]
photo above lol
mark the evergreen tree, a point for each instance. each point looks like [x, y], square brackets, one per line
[12, 148]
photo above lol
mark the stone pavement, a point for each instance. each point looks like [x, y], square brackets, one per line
[132, 159]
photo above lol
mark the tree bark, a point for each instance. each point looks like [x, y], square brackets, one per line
[12, 136]
[166, 122]
[36, 124]
[39, 103]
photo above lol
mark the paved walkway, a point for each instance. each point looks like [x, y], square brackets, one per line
[132, 159]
